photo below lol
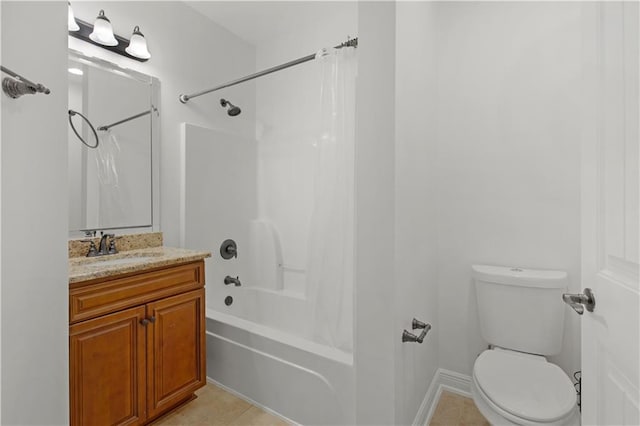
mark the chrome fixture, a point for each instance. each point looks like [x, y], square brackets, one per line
[18, 85]
[93, 130]
[416, 324]
[93, 251]
[228, 249]
[408, 337]
[102, 249]
[579, 301]
[101, 34]
[124, 120]
[233, 110]
[230, 280]
[351, 42]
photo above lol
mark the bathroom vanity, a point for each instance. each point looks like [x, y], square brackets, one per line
[136, 334]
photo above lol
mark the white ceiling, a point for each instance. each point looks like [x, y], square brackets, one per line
[256, 21]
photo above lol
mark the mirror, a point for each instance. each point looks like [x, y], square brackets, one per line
[114, 185]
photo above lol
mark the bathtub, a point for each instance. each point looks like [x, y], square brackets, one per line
[298, 379]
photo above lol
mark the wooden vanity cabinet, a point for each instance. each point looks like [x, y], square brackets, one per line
[131, 364]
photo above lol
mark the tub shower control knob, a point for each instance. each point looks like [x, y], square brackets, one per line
[228, 249]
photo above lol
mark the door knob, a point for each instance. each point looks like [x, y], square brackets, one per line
[579, 301]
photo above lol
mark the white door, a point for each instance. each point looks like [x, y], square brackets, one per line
[610, 221]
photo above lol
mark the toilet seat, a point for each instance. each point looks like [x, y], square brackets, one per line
[524, 388]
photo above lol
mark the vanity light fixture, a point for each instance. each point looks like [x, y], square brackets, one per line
[103, 31]
[71, 21]
[101, 34]
[138, 45]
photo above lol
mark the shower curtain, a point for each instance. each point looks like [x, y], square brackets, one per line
[111, 195]
[331, 237]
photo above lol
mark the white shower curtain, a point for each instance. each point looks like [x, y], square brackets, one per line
[112, 196]
[331, 246]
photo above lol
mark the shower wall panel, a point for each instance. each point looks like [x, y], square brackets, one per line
[218, 203]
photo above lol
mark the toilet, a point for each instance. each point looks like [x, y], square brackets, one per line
[522, 317]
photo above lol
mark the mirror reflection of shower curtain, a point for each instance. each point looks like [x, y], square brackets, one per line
[110, 193]
[331, 236]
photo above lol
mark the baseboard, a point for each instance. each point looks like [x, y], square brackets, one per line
[442, 380]
[455, 382]
[428, 403]
[251, 401]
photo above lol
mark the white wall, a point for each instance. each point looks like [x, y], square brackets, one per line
[508, 156]
[416, 280]
[375, 331]
[35, 375]
[190, 53]
[288, 113]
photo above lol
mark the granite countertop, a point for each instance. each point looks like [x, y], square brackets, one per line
[89, 268]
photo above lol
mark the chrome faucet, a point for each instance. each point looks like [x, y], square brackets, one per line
[230, 280]
[102, 247]
[107, 245]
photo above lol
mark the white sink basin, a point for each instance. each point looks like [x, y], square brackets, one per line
[122, 261]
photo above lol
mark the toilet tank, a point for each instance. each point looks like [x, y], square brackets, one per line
[521, 309]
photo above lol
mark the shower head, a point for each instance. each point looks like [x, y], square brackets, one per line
[233, 110]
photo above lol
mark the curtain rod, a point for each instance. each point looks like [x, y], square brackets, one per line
[133, 117]
[20, 85]
[184, 98]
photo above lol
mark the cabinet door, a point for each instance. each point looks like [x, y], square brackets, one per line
[175, 350]
[107, 369]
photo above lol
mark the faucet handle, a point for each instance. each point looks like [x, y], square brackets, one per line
[112, 246]
[93, 251]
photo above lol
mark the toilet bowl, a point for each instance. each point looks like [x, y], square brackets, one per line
[511, 388]
[521, 315]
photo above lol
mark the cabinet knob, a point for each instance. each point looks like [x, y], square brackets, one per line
[152, 319]
[145, 321]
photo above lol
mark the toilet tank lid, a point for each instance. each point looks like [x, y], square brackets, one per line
[520, 277]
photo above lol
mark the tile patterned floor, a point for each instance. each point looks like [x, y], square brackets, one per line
[456, 410]
[216, 407]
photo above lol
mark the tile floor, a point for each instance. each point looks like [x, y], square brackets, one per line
[456, 410]
[216, 407]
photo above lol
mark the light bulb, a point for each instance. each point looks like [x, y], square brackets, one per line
[103, 31]
[72, 25]
[138, 45]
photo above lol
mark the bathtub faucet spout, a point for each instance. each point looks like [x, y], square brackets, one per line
[230, 280]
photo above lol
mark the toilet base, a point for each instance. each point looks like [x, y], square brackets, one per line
[496, 419]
